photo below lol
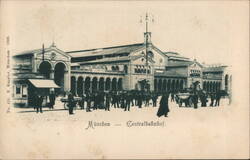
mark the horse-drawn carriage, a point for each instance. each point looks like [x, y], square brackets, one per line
[186, 98]
[65, 101]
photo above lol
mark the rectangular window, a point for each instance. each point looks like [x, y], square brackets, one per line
[18, 89]
[24, 91]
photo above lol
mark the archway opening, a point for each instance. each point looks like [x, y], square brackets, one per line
[114, 87]
[59, 76]
[45, 69]
[101, 84]
[80, 86]
[73, 85]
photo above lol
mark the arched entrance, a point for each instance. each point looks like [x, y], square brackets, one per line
[120, 84]
[94, 84]
[59, 76]
[107, 84]
[73, 85]
[114, 81]
[87, 84]
[80, 86]
[101, 84]
[45, 69]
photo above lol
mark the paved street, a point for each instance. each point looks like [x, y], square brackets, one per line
[58, 134]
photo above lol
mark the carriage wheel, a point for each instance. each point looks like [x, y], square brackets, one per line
[66, 106]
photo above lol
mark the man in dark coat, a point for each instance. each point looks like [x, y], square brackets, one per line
[128, 98]
[195, 100]
[139, 100]
[217, 98]
[154, 99]
[39, 105]
[88, 100]
[163, 109]
[71, 103]
[52, 98]
[203, 99]
[107, 101]
[172, 97]
[212, 96]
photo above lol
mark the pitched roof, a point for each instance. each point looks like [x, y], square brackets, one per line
[214, 69]
[175, 55]
[105, 51]
[179, 64]
[111, 59]
[30, 52]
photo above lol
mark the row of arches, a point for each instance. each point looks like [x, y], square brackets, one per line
[211, 86]
[168, 85]
[58, 74]
[80, 85]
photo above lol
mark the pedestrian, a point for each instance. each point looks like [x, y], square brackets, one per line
[203, 99]
[107, 101]
[148, 97]
[88, 100]
[217, 98]
[212, 97]
[195, 100]
[172, 97]
[52, 99]
[164, 108]
[39, 107]
[139, 100]
[128, 99]
[71, 103]
[154, 99]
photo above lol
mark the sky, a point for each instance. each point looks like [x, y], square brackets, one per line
[207, 31]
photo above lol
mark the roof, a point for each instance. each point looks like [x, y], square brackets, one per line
[179, 64]
[214, 69]
[31, 52]
[111, 59]
[43, 83]
[105, 51]
[175, 55]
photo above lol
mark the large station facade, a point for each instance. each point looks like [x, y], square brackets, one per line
[140, 66]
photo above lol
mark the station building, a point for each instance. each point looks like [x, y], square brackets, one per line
[125, 67]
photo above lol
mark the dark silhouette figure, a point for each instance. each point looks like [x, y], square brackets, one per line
[212, 96]
[52, 98]
[163, 109]
[172, 97]
[39, 107]
[107, 102]
[154, 99]
[139, 100]
[218, 97]
[71, 103]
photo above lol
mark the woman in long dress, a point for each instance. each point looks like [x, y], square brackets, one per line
[163, 109]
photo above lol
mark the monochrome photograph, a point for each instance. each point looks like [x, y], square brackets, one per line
[124, 80]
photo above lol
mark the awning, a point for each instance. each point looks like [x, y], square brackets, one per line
[43, 83]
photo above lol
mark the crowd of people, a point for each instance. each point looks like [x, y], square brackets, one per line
[201, 95]
[114, 99]
[124, 100]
